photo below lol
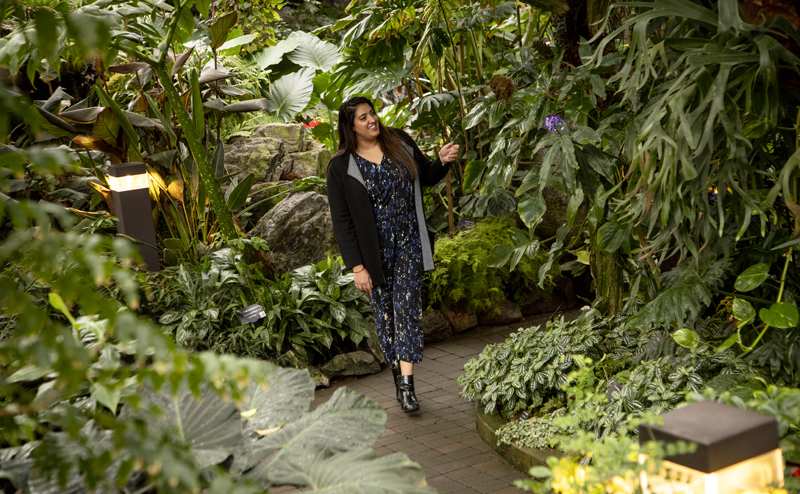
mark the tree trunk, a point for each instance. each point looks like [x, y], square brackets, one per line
[607, 275]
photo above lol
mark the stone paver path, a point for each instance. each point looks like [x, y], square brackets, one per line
[441, 436]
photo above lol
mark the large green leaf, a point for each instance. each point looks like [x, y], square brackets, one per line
[315, 53]
[221, 28]
[531, 209]
[610, 237]
[473, 173]
[46, 32]
[780, 315]
[752, 277]
[238, 41]
[106, 126]
[574, 203]
[239, 194]
[686, 338]
[271, 55]
[381, 79]
[743, 312]
[499, 255]
[362, 472]
[285, 396]
[211, 426]
[291, 93]
[247, 106]
[347, 421]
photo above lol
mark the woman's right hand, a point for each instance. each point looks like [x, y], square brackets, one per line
[362, 279]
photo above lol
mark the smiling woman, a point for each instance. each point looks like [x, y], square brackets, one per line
[375, 184]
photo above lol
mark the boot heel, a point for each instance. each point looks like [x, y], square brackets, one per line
[408, 400]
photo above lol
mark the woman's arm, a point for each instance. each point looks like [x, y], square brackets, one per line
[343, 225]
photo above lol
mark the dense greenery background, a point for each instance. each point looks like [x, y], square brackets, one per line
[669, 130]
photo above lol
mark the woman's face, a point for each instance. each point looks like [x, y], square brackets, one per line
[365, 124]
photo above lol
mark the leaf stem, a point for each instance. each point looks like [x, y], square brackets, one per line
[743, 297]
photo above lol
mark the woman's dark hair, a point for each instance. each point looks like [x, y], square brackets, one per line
[391, 144]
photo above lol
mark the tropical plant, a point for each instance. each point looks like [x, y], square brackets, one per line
[316, 310]
[94, 397]
[532, 365]
[712, 143]
[463, 276]
[617, 463]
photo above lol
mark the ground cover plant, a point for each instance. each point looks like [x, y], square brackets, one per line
[463, 275]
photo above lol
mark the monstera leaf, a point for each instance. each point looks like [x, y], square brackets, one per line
[291, 93]
[315, 53]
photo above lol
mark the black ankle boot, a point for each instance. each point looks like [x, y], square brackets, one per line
[408, 400]
[396, 376]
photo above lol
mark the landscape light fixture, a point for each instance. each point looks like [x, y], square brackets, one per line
[737, 451]
[131, 196]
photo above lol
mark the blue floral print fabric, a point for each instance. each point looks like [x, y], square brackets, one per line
[396, 305]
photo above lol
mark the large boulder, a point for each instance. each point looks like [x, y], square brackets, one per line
[435, 327]
[460, 319]
[268, 194]
[268, 152]
[506, 312]
[294, 359]
[298, 231]
[351, 364]
[264, 157]
[313, 162]
[372, 343]
[292, 135]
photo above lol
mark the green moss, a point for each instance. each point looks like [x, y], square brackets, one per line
[463, 277]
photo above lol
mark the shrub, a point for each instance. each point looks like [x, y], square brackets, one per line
[591, 369]
[463, 276]
[316, 309]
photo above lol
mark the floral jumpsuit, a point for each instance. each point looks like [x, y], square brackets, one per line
[396, 305]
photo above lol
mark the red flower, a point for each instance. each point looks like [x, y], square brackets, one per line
[312, 124]
[796, 473]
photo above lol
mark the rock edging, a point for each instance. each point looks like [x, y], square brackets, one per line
[520, 457]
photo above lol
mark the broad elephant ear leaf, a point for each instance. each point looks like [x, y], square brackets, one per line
[315, 53]
[286, 395]
[362, 472]
[211, 426]
[347, 421]
[271, 55]
[291, 93]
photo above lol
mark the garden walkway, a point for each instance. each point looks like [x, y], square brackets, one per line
[441, 437]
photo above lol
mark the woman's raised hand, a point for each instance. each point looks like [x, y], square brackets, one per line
[449, 152]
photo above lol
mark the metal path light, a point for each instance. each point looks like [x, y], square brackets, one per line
[129, 190]
[737, 451]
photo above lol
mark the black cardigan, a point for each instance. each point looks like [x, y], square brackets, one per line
[351, 210]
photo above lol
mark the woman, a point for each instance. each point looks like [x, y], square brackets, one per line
[375, 196]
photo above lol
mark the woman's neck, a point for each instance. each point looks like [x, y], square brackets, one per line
[366, 145]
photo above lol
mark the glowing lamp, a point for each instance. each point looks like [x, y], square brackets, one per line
[737, 451]
[131, 196]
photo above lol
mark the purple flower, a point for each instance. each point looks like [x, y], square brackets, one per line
[553, 123]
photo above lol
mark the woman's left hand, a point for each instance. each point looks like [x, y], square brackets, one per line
[449, 152]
